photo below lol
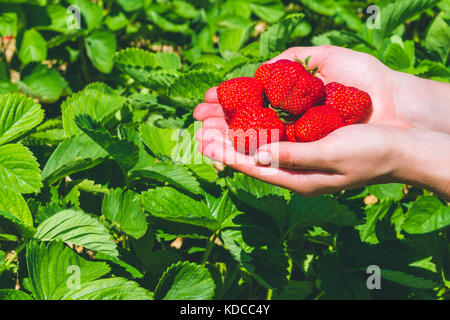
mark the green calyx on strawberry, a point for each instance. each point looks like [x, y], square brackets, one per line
[254, 127]
[317, 123]
[290, 87]
[238, 93]
[353, 104]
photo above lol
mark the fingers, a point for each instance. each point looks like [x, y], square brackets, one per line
[211, 95]
[310, 156]
[208, 110]
[318, 55]
[305, 182]
[206, 135]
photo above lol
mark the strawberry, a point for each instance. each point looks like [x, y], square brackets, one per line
[263, 73]
[354, 105]
[308, 92]
[318, 122]
[254, 127]
[240, 92]
[291, 87]
[290, 132]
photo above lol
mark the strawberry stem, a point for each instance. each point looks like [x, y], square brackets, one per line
[305, 64]
[284, 116]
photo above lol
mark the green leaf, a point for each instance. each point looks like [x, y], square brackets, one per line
[427, 214]
[157, 263]
[18, 116]
[374, 213]
[294, 290]
[33, 47]
[256, 187]
[232, 39]
[19, 224]
[109, 289]
[438, 37]
[50, 132]
[100, 47]
[73, 155]
[167, 25]
[76, 227]
[270, 11]
[126, 153]
[122, 208]
[167, 60]
[174, 174]
[170, 204]
[128, 5]
[433, 69]
[189, 89]
[185, 281]
[91, 13]
[135, 57]
[222, 209]
[54, 270]
[147, 68]
[387, 191]
[162, 142]
[319, 211]
[203, 171]
[11, 294]
[257, 250]
[99, 105]
[275, 38]
[339, 284]
[262, 196]
[12, 202]
[19, 169]
[396, 13]
[408, 280]
[396, 57]
[44, 84]
[326, 8]
[8, 21]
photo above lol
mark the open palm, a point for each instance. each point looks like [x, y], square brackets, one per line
[349, 157]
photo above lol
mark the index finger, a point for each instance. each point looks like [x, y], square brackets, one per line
[211, 96]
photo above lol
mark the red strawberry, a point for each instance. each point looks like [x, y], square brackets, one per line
[290, 132]
[318, 122]
[353, 104]
[240, 92]
[292, 88]
[254, 127]
[263, 73]
[308, 92]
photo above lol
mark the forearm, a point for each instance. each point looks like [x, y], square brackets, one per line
[423, 103]
[423, 159]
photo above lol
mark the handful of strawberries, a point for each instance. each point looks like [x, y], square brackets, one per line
[286, 102]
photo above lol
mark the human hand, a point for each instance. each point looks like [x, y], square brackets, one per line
[349, 157]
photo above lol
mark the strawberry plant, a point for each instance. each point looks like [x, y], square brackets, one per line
[104, 194]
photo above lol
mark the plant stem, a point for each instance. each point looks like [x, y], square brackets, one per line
[84, 65]
[269, 294]
[291, 264]
[16, 253]
[208, 248]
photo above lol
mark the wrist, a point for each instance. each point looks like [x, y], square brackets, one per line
[421, 102]
[422, 159]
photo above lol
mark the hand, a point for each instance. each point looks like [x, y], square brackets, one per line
[349, 157]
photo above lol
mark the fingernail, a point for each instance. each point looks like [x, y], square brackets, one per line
[263, 158]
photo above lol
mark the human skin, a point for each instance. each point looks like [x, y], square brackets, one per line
[406, 138]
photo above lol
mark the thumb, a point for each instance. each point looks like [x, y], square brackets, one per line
[309, 156]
